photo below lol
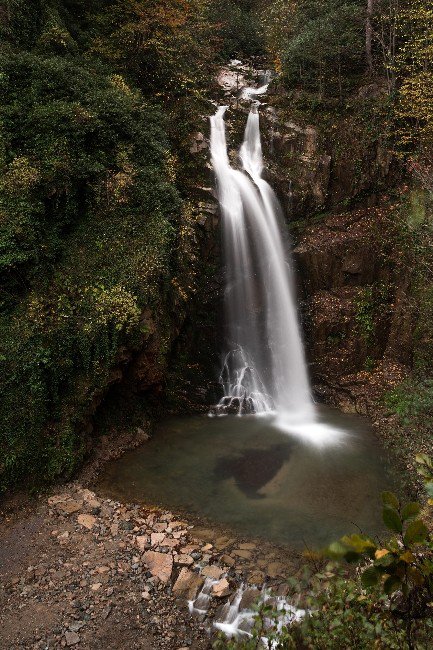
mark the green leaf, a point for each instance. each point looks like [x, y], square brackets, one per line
[424, 459]
[410, 511]
[391, 584]
[429, 488]
[416, 532]
[337, 548]
[357, 543]
[370, 577]
[389, 499]
[391, 519]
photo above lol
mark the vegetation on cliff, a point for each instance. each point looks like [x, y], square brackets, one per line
[98, 99]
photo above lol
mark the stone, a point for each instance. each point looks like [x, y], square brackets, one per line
[247, 547]
[171, 543]
[186, 560]
[103, 569]
[141, 541]
[69, 507]
[213, 572]
[228, 560]
[275, 569]
[96, 586]
[204, 534]
[88, 495]
[160, 564]
[76, 626]
[57, 498]
[71, 638]
[88, 521]
[207, 547]
[156, 538]
[221, 589]
[245, 555]
[249, 598]
[256, 578]
[187, 584]
[223, 542]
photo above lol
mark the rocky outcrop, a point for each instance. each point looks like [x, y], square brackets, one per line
[327, 164]
[357, 308]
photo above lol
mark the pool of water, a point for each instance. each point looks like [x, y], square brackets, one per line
[247, 475]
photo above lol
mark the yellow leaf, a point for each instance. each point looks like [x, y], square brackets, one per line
[381, 553]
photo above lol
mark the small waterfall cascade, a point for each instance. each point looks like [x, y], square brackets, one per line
[236, 620]
[264, 368]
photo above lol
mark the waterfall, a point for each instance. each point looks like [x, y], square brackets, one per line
[264, 369]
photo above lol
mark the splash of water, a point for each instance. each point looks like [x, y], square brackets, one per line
[234, 620]
[264, 370]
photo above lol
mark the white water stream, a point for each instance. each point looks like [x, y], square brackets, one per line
[264, 370]
[237, 621]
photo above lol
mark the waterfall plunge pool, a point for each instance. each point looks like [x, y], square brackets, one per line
[246, 475]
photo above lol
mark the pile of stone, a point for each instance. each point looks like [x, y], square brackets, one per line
[104, 568]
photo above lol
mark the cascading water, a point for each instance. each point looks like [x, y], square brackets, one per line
[264, 370]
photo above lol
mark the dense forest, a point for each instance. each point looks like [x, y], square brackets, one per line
[102, 267]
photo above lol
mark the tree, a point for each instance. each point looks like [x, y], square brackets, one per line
[369, 34]
[325, 46]
[415, 95]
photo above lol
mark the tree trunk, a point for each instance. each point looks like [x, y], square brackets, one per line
[369, 34]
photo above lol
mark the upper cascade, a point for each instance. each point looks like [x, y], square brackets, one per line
[264, 368]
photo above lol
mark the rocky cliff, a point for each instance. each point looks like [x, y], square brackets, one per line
[335, 180]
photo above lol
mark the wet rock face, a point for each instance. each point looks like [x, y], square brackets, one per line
[357, 310]
[316, 167]
[299, 170]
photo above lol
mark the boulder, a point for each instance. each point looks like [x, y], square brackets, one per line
[160, 564]
[187, 584]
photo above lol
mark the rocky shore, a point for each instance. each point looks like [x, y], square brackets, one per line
[78, 570]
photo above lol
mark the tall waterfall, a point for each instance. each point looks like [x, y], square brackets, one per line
[264, 368]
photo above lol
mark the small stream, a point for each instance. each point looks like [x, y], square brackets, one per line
[243, 473]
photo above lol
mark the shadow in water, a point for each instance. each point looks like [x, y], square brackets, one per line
[254, 468]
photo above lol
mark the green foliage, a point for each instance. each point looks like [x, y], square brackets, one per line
[166, 46]
[90, 221]
[415, 99]
[369, 306]
[412, 402]
[239, 28]
[65, 133]
[324, 46]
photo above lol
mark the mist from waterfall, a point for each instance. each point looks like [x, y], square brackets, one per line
[264, 369]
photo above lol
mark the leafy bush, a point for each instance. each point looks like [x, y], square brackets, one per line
[88, 214]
